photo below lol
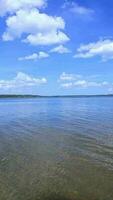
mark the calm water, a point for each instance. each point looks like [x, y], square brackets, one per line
[56, 148]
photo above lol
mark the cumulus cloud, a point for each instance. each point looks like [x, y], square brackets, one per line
[101, 48]
[22, 80]
[78, 81]
[60, 49]
[35, 56]
[27, 23]
[11, 6]
[54, 37]
[77, 9]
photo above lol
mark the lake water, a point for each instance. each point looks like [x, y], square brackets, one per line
[56, 149]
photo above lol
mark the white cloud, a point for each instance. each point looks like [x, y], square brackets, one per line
[53, 37]
[86, 84]
[67, 85]
[102, 48]
[69, 77]
[11, 6]
[35, 56]
[34, 27]
[78, 81]
[60, 49]
[22, 80]
[77, 9]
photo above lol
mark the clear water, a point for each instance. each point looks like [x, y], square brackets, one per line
[56, 148]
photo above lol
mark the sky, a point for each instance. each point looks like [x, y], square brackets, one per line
[62, 47]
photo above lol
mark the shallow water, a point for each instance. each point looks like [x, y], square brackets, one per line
[56, 148]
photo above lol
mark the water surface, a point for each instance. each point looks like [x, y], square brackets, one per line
[56, 148]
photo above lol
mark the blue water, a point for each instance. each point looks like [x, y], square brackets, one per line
[56, 148]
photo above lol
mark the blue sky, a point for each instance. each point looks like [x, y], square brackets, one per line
[52, 47]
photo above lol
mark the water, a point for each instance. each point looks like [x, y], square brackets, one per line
[56, 148]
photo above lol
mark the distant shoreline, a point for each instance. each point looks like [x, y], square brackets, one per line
[55, 96]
